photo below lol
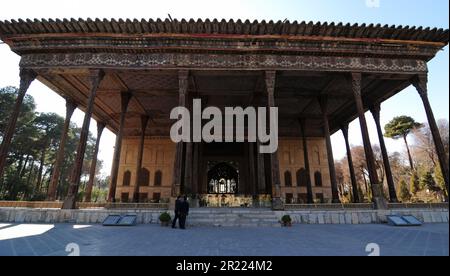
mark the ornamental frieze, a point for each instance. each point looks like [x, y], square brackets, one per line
[211, 61]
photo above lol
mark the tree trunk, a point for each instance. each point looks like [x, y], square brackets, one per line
[23, 169]
[41, 168]
[409, 152]
[19, 166]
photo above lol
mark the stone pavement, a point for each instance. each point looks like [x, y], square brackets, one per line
[153, 240]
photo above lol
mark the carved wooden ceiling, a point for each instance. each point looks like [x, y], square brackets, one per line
[296, 94]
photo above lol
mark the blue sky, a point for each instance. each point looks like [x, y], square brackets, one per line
[432, 13]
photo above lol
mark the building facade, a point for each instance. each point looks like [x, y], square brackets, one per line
[129, 74]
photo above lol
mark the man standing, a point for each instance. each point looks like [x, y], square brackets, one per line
[177, 212]
[184, 212]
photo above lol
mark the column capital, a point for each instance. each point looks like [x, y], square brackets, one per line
[27, 76]
[96, 76]
[323, 102]
[100, 127]
[183, 76]
[70, 103]
[144, 122]
[420, 83]
[344, 129]
[356, 79]
[125, 97]
[375, 110]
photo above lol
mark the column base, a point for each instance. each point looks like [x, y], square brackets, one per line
[70, 203]
[172, 201]
[336, 201]
[277, 204]
[380, 203]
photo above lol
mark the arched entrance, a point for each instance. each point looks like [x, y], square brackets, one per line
[223, 178]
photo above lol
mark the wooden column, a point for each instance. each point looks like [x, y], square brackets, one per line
[309, 192]
[70, 108]
[188, 168]
[178, 163]
[377, 195]
[375, 110]
[96, 77]
[251, 164]
[195, 166]
[275, 165]
[260, 170]
[140, 155]
[125, 99]
[326, 128]
[90, 184]
[420, 82]
[351, 168]
[26, 78]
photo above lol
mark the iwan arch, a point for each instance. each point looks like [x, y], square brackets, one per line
[129, 74]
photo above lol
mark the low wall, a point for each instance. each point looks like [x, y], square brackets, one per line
[435, 215]
[83, 216]
[82, 205]
[223, 217]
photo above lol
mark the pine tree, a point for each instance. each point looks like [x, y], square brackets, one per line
[427, 181]
[414, 183]
[404, 194]
[440, 179]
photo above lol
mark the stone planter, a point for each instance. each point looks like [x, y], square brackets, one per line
[165, 223]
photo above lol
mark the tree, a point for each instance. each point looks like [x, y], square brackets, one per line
[49, 125]
[424, 149]
[33, 150]
[8, 97]
[414, 183]
[401, 127]
[427, 182]
[440, 181]
[404, 194]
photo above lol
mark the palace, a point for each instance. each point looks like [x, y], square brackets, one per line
[128, 75]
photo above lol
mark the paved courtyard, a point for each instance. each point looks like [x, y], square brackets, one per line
[300, 240]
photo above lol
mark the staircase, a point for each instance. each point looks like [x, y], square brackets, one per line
[233, 217]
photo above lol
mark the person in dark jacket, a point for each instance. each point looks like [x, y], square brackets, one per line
[177, 211]
[184, 212]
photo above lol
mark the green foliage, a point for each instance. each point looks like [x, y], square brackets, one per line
[440, 179]
[360, 194]
[427, 182]
[99, 195]
[414, 183]
[7, 100]
[165, 217]
[286, 219]
[404, 194]
[400, 127]
[34, 148]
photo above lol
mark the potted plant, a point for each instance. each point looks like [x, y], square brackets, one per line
[165, 219]
[286, 221]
